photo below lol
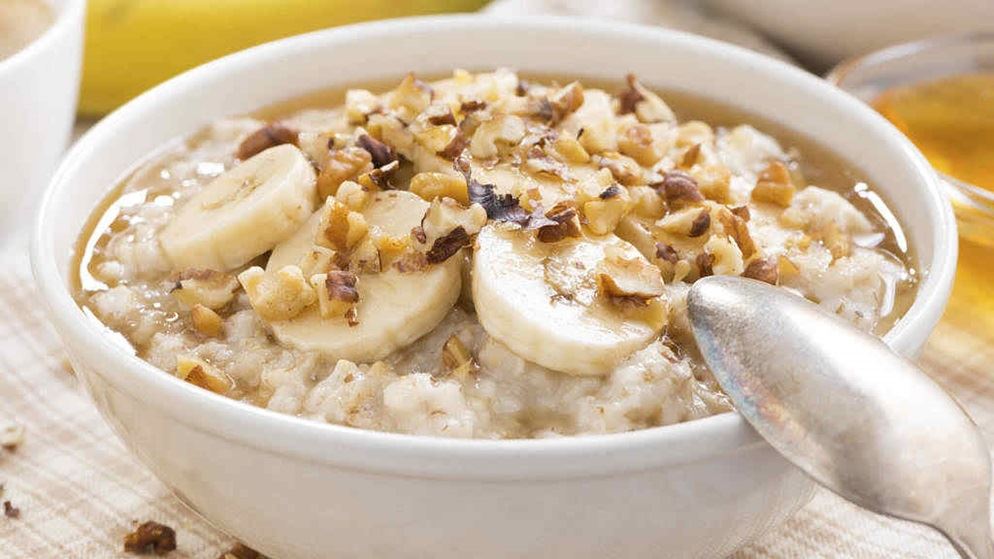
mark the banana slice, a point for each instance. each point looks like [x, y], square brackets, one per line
[395, 308]
[243, 213]
[544, 300]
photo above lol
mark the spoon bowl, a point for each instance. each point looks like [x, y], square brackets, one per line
[840, 405]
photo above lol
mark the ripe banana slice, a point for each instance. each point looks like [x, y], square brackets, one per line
[243, 213]
[543, 300]
[395, 308]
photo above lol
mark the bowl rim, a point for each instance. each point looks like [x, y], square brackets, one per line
[67, 15]
[424, 456]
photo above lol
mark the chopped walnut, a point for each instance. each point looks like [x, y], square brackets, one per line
[277, 296]
[629, 277]
[390, 248]
[353, 195]
[774, 185]
[637, 142]
[560, 222]
[602, 215]
[680, 190]
[694, 132]
[690, 157]
[714, 182]
[539, 163]
[206, 321]
[270, 135]
[318, 260]
[505, 130]
[359, 104]
[447, 246]
[201, 373]
[570, 149]
[704, 262]
[646, 202]
[624, 169]
[439, 114]
[337, 292]
[689, 222]
[381, 153]
[209, 288]
[667, 253]
[647, 106]
[430, 185]
[763, 269]
[411, 97]
[444, 215]
[340, 228]
[11, 435]
[742, 212]
[457, 359]
[10, 511]
[738, 229]
[342, 165]
[565, 101]
[726, 258]
[150, 538]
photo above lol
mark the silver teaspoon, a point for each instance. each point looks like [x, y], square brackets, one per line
[845, 409]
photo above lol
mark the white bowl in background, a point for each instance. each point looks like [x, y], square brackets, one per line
[297, 489]
[823, 32]
[38, 90]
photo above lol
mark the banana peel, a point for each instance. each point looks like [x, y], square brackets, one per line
[132, 45]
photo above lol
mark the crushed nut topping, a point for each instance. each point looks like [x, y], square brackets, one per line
[630, 278]
[381, 153]
[341, 165]
[340, 228]
[338, 294]
[445, 247]
[210, 288]
[624, 169]
[667, 253]
[701, 224]
[704, 263]
[150, 538]
[763, 269]
[680, 189]
[11, 435]
[277, 296]
[440, 114]
[774, 185]
[560, 222]
[201, 373]
[206, 321]
[646, 105]
[457, 359]
[270, 135]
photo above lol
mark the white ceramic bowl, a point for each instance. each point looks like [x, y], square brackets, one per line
[298, 489]
[38, 90]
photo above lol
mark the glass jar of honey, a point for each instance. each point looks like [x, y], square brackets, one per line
[940, 94]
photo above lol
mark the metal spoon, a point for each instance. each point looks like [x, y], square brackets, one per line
[841, 406]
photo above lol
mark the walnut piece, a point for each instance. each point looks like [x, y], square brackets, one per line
[431, 185]
[241, 551]
[201, 373]
[603, 214]
[150, 538]
[338, 294]
[281, 295]
[501, 130]
[680, 190]
[444, 216]
[560, 222]
[270, 135]
[774, 185]
[381, 153]
[342, 165]
[340, 228]
[647, 106]
[206, 321]
[763, 269]
[637, 142]
[210, 288]
[457, 359]
[629, 277]
[11, 435]
[359, 104]
[624, 169]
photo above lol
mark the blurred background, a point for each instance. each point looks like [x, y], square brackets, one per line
[132, 45]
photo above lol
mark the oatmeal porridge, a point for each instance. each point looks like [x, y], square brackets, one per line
[479, 256]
